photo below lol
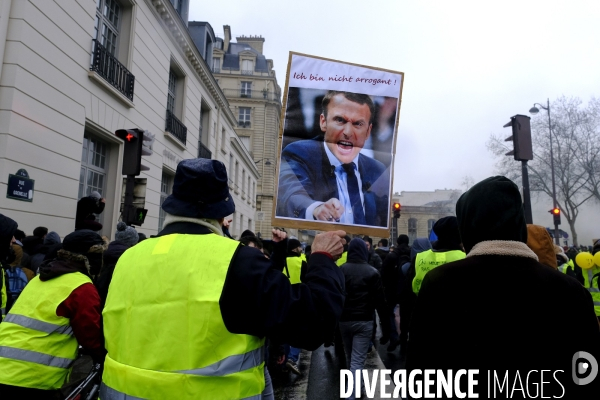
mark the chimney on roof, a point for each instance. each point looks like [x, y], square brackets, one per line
[256, 42]
[227, 38]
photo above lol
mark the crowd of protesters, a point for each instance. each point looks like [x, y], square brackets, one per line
[489, 289]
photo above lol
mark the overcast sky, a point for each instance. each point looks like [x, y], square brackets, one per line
[469, 65]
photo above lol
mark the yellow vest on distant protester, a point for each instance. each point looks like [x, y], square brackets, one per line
[342, 259]
[294, 268]
[428, 260]
[163, 327]
[3, 295]
[588, 274]
[37, 347]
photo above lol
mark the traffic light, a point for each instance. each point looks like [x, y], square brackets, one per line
[521, 138]
[396, 208]
[140, 217]
[556, 214]
[138, 143]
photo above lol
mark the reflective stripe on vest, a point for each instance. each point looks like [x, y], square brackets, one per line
[175, 282]
[563, 268]
[294, 267]
[428, 260]
[591, 284]
[342, 259]
[37, 347]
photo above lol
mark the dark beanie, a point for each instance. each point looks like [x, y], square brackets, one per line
[357, 250]
[446, 230]
[81, 241]
[293, 244]
[402, 239]
[491, 210]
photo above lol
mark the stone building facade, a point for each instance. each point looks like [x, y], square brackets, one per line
[248, 80]
[420, 211]
[72, 72]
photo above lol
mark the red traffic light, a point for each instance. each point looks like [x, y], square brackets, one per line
[129, 137]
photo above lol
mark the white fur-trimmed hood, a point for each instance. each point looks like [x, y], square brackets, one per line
[502, 248]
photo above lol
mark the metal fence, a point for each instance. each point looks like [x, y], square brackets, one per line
[109, 68]
[176, 127]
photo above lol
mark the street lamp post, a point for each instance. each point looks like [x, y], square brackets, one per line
[534, 110]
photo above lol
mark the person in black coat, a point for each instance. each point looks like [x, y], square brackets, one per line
[364, 294]
[501, 310]
[87, 207]
[392, 283]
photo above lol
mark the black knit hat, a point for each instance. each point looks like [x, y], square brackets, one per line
[491, 210]
[81, 241]
[446, 230]
[293, 244]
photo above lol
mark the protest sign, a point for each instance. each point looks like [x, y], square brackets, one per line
[337, 146]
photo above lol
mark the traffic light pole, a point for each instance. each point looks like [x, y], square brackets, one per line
[556, 234]
[526, 194]
[128, 215]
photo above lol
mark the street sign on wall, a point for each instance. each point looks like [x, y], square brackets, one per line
[20, 186]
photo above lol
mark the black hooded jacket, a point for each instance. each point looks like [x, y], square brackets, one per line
[364, 290]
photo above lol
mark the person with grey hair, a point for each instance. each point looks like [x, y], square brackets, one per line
[210, 300]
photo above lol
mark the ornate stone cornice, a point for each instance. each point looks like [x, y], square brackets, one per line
[178, 30]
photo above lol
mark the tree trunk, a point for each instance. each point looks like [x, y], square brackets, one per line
[573, 232]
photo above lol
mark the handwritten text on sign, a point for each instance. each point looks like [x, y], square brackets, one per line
[308, 72]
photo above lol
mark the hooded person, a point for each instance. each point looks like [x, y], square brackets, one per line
[57, 311]
[87, 209]
[499, 308]
[125, 237]
[447, 248]
[540, 242]
[364, 294]
[50, 240]
[8, 228]
[214, 299]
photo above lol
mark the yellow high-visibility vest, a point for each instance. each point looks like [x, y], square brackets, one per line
[3, 296]
[163, 327]
[428, 260]
[37, 347]
[294, 267]
[342, 259]
[592, 285]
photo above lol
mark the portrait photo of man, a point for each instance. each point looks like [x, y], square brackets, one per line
[329, 178]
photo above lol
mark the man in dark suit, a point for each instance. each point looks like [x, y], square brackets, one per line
[326, 178]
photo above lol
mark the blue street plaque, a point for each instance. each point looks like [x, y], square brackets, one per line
[20, 187]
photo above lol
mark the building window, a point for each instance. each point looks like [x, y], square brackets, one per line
[171, 95]
[430, 224]
[230, 171]
[94, 166]
[223, 138]
[175, 106]
[412, 229]
[216, 65]
[243, 183]
[235, 178]
[246, 89]
[244, 117]
[250, 227]
[106, 27]
[166, 188]
[249, 190]
[247, 67]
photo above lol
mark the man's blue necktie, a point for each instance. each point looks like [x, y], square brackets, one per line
[354, 193]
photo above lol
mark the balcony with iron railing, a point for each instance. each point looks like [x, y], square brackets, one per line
[252, 94]
[111, 70]
[231, 71]
[203, 151]
[176, 127]
[243, 124]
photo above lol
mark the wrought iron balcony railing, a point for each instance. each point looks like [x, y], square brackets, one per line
[109, 68]
[244, 124]
[176, 127]
[252, 94]
[203, 151]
